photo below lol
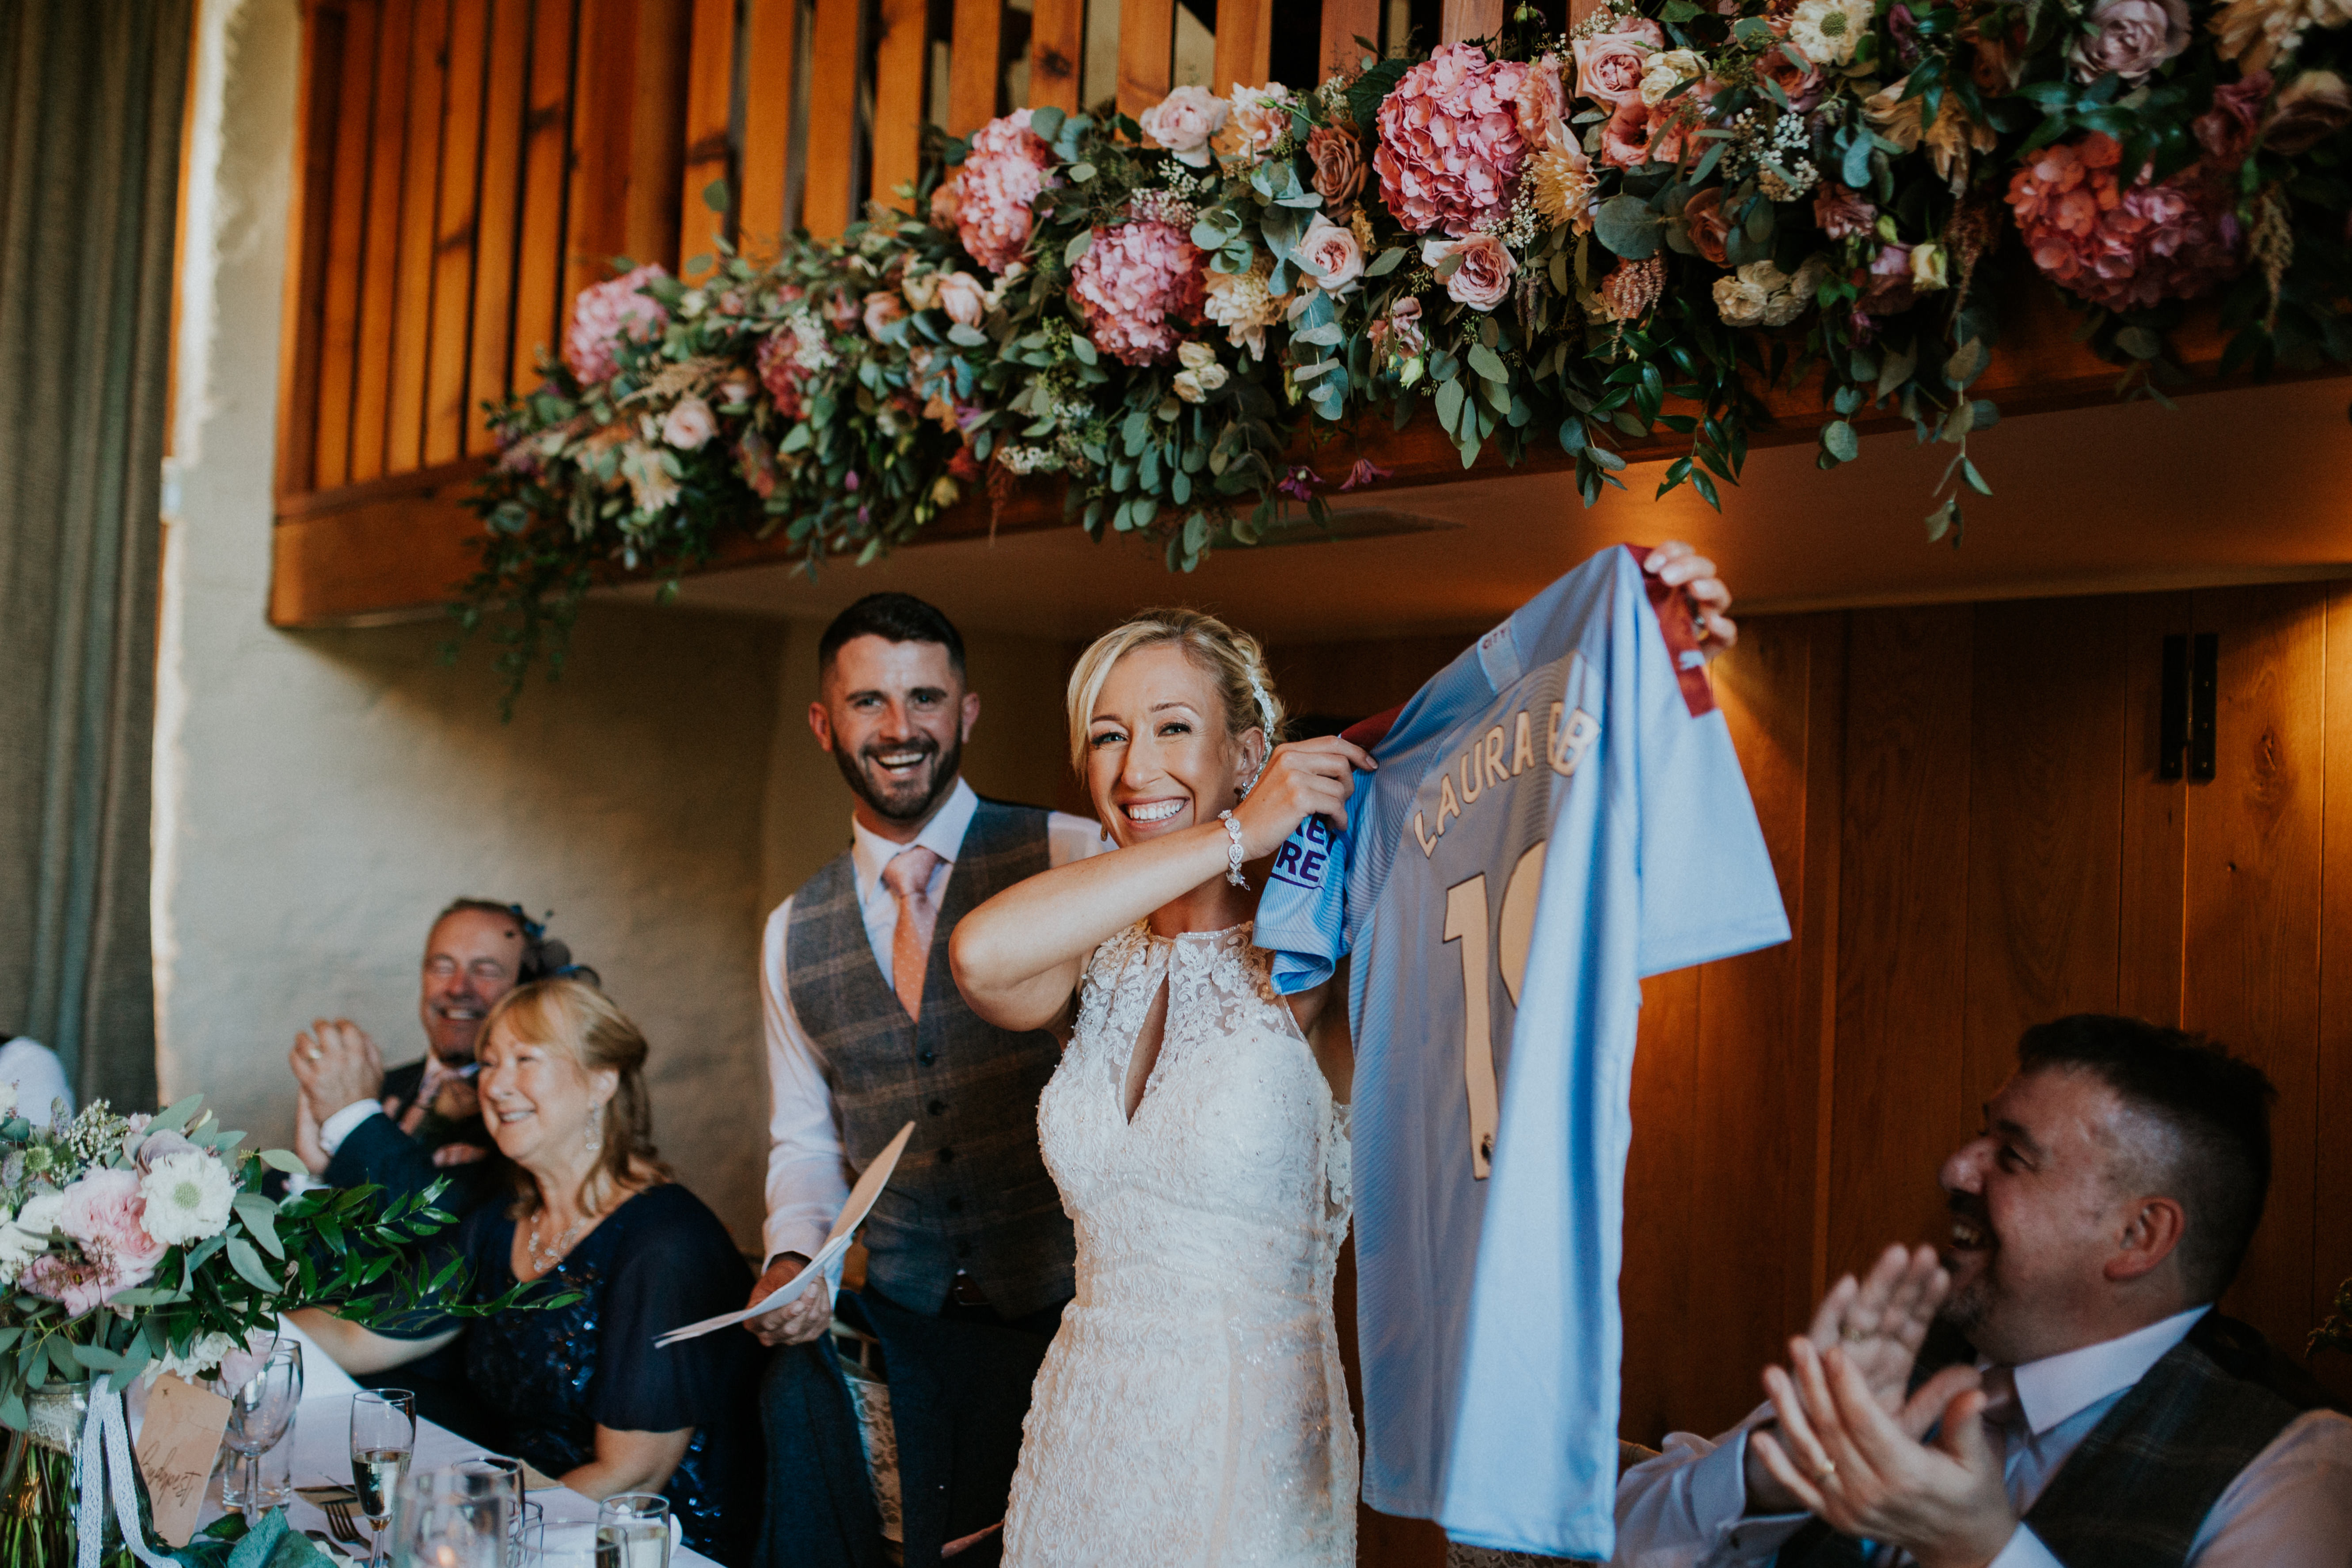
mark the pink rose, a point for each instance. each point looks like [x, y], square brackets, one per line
[1404, 320]
[2226, 130]
[603, 315]
[1451, 150]
[1887, 289]
[1704, 221]
[1260, 117]
[782, 373]
[2314, 106]
[1333, 254]
[689, 424]
[882, 308]
[1537, 97]
[1183, 121]
[1608, 66]
[962, 297]
[1625, 140]
[1842, 213]
[1795, 76]
[1482, 279]
[2130, 37]
[101, 1213]
[1339, 160]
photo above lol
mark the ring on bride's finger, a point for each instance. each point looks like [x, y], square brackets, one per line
[1852, 1335]
[1825, 1471]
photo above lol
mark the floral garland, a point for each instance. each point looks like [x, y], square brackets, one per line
[1541, 238]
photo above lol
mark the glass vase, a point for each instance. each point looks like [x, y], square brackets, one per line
[38, 1502]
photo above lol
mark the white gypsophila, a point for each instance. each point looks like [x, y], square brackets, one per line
[187, 1197]
[1826, 31]
[203, 1358]
[26, 1235]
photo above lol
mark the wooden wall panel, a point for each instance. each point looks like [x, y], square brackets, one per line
[836, 47]
[2332, 1173]
[386, 137]
[346, 236]
[1902, 926]
[710, 124]
[1344, 22]
[596, 214]
[1057, 51]
[2156, 813]
[2250, 976]
[454, 231]
[1147, 53]
[902, 62]
[420, 172]
[656, 111]
[1245, 44]
[2045, 822]
[1460, 19]
[540, 302]
[490, 341]
[770, 38]
[318, 93]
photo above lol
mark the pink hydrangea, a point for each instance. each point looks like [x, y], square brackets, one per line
[1137, 284]
[603, 314]
[989, 196]
[2125, 246]
[781, 373]
[1451, 142]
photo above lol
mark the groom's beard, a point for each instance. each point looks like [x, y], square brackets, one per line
[906, 796]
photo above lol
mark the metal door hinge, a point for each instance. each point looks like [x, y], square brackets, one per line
[2185, 727]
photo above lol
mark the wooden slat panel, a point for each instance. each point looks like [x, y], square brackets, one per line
[2045, 822]
[403, 431]
[834, 51]
[1057, 49]
[1902, 928]
[317, 94]
[767, 46]
[453, 244]
[975, 64]
[1345, 21]
[1662, 1191]
[1147, 52]
[596, 218]
[1461, 19]
[1244, 42]
[657, 116]
[540, 264]
[710, 109]
[372, 372]
[346, 236]
[2155, 813]
[901, 66]
[491, 347]
[2332, 1187]
[2252, 975]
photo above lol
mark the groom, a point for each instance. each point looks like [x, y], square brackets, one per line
[970, 1255]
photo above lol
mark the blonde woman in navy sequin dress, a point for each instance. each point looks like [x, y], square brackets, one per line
[580, 1391]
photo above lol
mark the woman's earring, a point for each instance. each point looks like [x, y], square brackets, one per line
[595, 1130]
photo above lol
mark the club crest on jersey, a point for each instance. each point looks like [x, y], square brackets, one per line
[1306, 855]
[1481, 766]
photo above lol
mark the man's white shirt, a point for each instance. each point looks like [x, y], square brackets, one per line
[2290, 1507]
[808, 1176]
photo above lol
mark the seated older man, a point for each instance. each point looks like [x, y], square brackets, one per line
[2109, 1415]
[357, 1124]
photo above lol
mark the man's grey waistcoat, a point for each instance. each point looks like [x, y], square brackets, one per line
[971, 1191]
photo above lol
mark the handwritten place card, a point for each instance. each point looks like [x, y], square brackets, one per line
[177, 1445]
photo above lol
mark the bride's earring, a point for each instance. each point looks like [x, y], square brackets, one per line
[595, 1130]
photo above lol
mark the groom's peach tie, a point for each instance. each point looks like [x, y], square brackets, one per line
[908, 878]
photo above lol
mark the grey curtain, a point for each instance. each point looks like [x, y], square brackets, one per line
[91, 102]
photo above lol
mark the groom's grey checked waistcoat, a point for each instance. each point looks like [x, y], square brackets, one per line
[971, 1191]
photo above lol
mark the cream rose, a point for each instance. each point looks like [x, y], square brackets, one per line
[1183, 121]
[1930, 268]
[962, 297]
[1333, 254]
[1668, 71]
[689, 424]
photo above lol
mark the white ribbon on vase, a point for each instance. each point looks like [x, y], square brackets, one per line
[102, 1474]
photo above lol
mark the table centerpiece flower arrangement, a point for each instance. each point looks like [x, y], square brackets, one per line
[135, 1246]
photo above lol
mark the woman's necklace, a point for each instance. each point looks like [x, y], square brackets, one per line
[545, 1258]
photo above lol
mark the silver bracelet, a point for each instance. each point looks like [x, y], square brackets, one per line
[1233, 849]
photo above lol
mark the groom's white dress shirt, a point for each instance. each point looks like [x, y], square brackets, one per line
[2290, 1507]
[808, 1179]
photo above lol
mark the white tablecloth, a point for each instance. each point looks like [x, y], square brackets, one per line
[322, 1432]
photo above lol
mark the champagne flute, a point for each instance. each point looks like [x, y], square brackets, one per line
[384, 1435]
[259, 1416]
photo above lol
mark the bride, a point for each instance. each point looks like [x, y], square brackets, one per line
[1191, 1408]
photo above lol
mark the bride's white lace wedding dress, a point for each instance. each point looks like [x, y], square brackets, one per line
[1191, 1410]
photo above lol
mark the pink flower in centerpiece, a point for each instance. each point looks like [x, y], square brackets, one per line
[1364, 472]
[605, 314]
[1799, 79]
[1451, 147]
[989, 195]
[1481, 278]
[1134, 285]
[1608, 66]
[881, 308]
[2125, 246]
[1404, 320]
[1842, 213]
[1887, 285]
[2130, 37]
[962, 297]
[1333, 255]
[1260, 119]
[1625, 138]
[1709, 230]
[101, 1212]
[1182, 122]
[2226, 130]
[1299, 483]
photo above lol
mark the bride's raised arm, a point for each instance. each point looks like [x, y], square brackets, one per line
[1019, 956]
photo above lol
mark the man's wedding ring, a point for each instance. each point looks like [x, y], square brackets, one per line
[316, 1053]
[1825, 1471]
[1852, 1335]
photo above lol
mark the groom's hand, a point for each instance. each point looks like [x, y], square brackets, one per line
[799, 1321]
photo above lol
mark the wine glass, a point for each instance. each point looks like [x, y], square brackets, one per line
[455, 1517]
[259, 1416]
[633, 1531]
[384, 1435]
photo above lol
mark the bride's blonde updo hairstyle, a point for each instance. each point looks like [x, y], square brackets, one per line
[1230, 659]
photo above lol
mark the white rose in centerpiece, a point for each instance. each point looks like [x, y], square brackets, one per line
[1333, 255]
[203, 1356]
[1668, 69]
[962, 297]
[26, 1235]
[187, 1195]
[1183, 121]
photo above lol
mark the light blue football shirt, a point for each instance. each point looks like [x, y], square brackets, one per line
[1556, 814]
